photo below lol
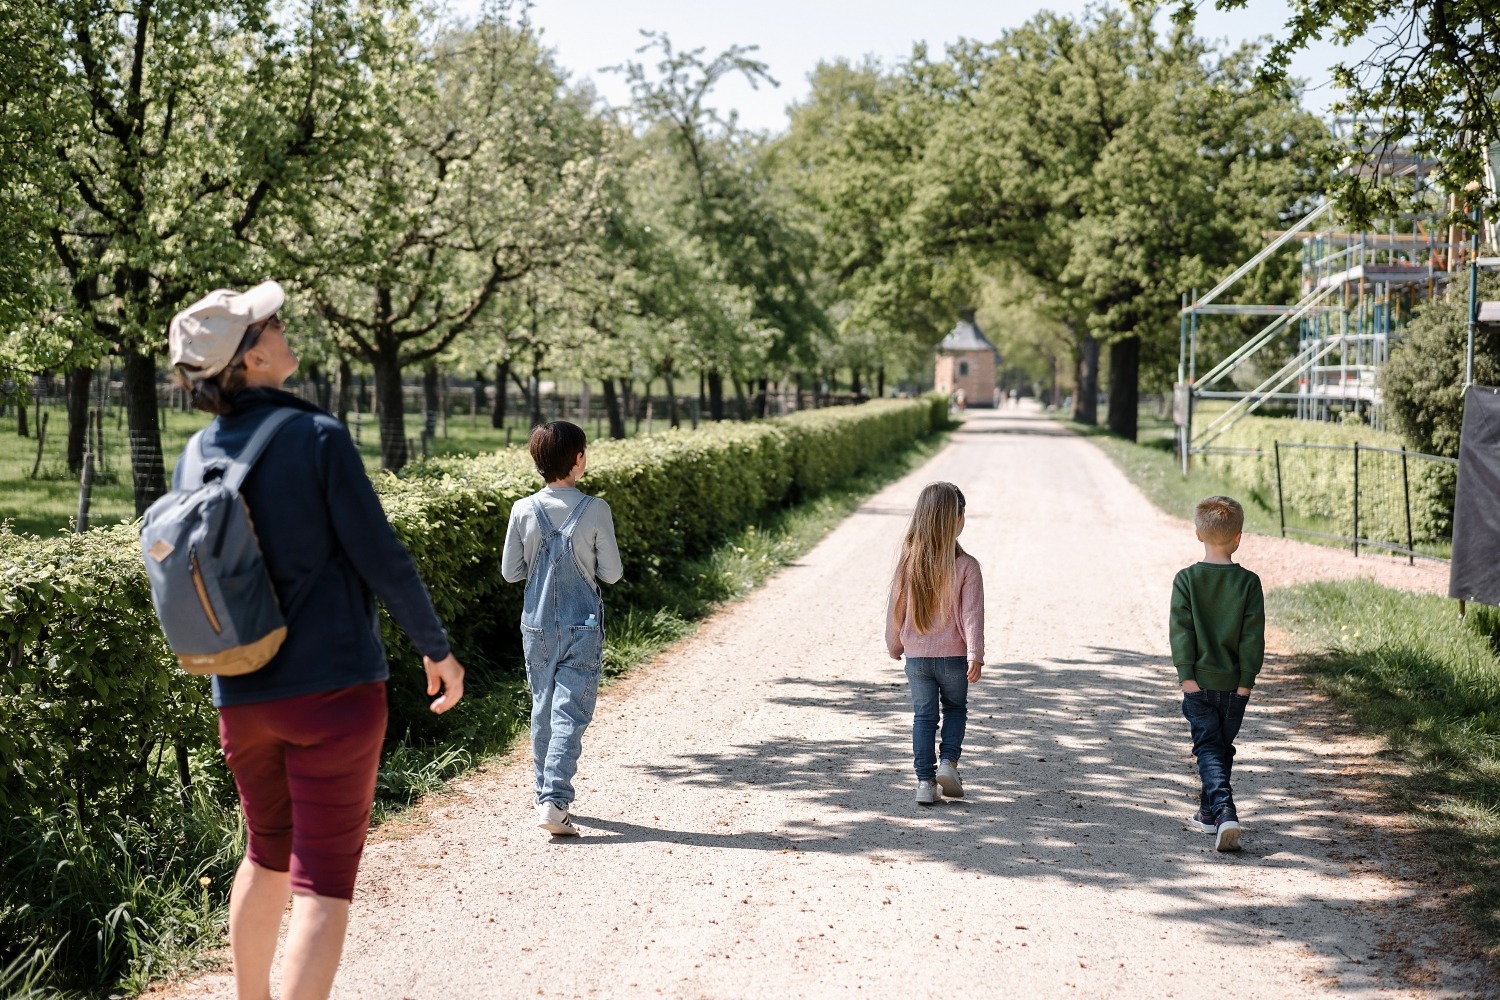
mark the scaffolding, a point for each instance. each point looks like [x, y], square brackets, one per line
[1357, 291]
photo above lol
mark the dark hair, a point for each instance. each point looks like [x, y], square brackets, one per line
[555, 448]
[216, 394]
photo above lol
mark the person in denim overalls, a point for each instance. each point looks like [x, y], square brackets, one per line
[562, 616]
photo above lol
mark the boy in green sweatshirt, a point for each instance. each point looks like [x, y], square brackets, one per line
[1218, 643]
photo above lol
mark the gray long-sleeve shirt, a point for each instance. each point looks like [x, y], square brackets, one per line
[594, 547]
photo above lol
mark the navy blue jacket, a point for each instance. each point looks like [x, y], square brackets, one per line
[330, 551]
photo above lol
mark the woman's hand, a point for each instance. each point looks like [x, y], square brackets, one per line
[975, 669]
[446, 675]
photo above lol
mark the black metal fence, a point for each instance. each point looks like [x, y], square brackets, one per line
[1368, 497]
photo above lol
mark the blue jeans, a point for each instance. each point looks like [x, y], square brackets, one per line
[934, 681]
[1214, 717]
[562, 669]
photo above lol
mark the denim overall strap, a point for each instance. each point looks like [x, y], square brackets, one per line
[557, 595]
[572, 521]
[543, 521]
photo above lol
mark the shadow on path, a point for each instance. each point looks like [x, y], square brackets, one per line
[1072, 774]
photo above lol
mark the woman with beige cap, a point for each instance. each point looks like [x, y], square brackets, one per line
[302, 734]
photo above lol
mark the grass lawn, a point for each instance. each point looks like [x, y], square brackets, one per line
[1408, 671]
[49, 502]
[1150, 464]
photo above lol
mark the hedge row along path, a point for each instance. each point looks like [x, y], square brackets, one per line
[747, 799]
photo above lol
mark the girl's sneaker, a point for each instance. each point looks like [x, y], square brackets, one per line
[927, 793]
[1228, 838]
[555, 820]
[947, 779]
[1202, 823]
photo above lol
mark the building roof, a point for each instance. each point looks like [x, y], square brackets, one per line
[966, 336]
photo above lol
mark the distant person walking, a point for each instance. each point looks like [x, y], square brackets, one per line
[935, 618]
[1218, 628]
[562, 543]
[302, 734]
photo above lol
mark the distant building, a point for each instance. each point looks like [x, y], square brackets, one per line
[966, 362]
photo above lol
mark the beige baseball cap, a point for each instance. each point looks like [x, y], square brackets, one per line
[204, 337]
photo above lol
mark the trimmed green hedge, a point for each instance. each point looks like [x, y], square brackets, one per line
[90, 698]
[93, 710]
[1320, 483]
[672, 495]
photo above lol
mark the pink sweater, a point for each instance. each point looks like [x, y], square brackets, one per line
[963, 637]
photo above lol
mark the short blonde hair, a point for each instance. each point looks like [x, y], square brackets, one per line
[1219, 519]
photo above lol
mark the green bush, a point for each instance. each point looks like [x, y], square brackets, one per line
[1320, 483]
[93, 710]
[1423, 381]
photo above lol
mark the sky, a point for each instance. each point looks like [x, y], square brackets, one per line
[795, 35]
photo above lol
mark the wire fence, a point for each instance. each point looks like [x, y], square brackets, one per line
[1391, 499]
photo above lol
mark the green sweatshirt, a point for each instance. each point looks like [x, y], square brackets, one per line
[1218, 626]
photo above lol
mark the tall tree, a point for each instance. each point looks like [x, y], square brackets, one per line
[488, 170]
[38, 333]
[189, 124]
[850, 156]
[1427, 80]
[727, 199]
[1112, 168]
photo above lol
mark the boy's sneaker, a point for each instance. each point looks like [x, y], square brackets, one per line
[947, 779]
[1228, 838]
[555, 820]
[927, 793]
[1202, 823]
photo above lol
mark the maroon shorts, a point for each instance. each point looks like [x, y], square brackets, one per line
[305, 768]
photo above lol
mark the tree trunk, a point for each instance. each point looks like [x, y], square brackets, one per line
[346, 390]
[763, 387]
[1086, 394]
[392, 411]
[674, 419]
[644, 411]
[612, 408]
[854, 382]
[1124, 386]
[80, 383]
[481, 397]
[322, 387]
[715, 395]
[739, 398]
[880, 382]
[431, 400]
[497, 415]
[534, 391]
[145, 429]
[22, 405]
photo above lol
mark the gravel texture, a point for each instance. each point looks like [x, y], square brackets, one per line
[749, 829]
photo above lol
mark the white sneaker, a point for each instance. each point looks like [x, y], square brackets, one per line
[1228, 838]
[555, 820]
[947, 779]
[927, 793]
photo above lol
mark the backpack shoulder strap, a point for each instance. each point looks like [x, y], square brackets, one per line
[241, 464]
[190, 467]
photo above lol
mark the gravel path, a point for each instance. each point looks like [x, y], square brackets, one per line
[747, 799]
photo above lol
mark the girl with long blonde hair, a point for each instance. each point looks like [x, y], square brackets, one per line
[935, 618]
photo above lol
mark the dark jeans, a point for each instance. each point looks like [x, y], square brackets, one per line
[937, 680]
[1215, 718]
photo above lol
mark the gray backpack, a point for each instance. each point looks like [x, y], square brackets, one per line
[208, 578]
